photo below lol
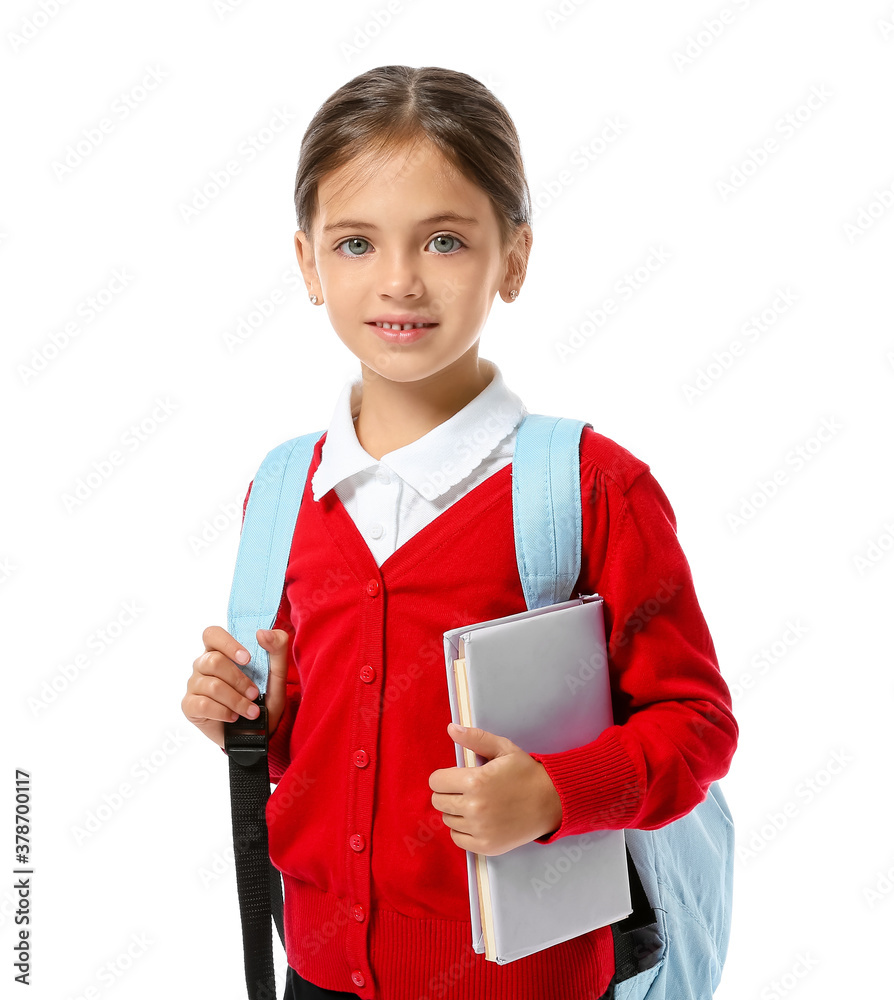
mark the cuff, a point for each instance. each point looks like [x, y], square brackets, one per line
[599, 786]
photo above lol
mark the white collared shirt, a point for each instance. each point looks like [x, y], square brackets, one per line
[391, 499]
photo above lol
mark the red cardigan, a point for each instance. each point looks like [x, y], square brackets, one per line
[376, 896]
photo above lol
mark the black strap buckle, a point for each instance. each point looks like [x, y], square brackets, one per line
[245, 740]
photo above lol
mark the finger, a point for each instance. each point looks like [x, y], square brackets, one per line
[217, 690]
[446, 779]
[219, 638]
[201, 710]
[449, 805]
[276, 642]
[217, 664]
[461, 837]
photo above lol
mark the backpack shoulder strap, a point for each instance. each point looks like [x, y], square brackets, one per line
[547, 520]
[546, 506]
[264, 546]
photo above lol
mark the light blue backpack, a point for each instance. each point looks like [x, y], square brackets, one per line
[673, 946]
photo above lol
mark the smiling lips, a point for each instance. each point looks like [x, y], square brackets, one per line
[414, 323]
[401, 333]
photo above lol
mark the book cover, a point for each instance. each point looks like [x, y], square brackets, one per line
[540, 678]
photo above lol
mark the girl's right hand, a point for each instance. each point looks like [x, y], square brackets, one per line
[218, 691]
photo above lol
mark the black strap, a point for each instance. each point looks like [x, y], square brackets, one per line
[258, 882]
[626, 952]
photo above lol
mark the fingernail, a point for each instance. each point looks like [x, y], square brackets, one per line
[251, 693]
[253, 711]
[243, 656]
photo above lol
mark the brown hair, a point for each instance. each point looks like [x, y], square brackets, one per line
[389, 107]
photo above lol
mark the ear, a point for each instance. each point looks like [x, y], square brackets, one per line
[304, 251]
[517, 261]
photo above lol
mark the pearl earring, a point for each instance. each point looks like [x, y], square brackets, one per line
[513, 295]
[313, 299]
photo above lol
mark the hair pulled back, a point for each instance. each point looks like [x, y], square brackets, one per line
[393, 107]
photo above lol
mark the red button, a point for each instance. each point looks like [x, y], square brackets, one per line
[357, 841]
[360, 758]
[367, 673]
[372, 588]
[357, 977]
[359, 912]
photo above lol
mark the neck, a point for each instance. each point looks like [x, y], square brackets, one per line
[394, 414]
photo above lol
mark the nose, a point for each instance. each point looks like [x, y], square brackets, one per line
[399, 276]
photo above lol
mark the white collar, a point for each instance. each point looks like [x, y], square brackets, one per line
[439, 459]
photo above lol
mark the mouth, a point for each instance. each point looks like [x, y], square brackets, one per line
[401, 333]
[402, 326]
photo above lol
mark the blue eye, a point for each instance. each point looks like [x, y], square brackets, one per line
[445, 236]
[353, 239]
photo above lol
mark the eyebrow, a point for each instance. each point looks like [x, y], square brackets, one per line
[431, 220]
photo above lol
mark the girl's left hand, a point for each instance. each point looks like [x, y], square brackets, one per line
[507, 802]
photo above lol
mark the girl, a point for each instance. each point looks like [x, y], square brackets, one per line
[413, 211]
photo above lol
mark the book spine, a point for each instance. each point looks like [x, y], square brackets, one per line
[469, 757]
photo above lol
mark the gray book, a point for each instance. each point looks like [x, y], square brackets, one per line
[539, 678]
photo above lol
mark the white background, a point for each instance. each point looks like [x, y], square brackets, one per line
[815, 218]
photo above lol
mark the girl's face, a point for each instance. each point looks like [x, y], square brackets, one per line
[413, 241]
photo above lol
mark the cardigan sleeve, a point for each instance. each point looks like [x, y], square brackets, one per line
[674, 731]
[278, 753]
